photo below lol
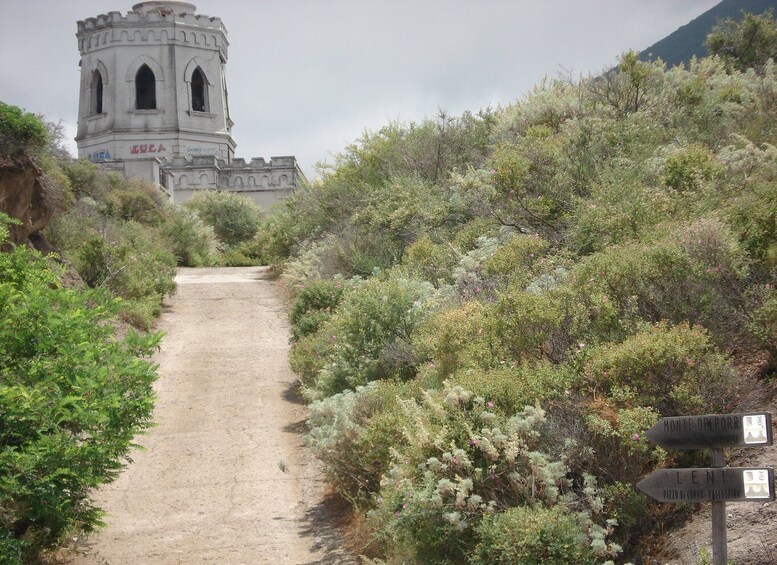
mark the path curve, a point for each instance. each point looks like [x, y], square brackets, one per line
[223, 477]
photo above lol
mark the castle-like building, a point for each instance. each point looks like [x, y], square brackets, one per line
[154, 104]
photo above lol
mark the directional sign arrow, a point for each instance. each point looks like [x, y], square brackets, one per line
[710, 484]
[713, 430]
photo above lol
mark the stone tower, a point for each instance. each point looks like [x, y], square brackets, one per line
[153, 103]
[153, 84]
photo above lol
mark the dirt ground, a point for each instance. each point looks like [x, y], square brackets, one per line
[224, 477]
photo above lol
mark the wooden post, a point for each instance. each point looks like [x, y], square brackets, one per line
[719, 542]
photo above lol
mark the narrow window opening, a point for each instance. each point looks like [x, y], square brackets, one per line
[145, 89]
[97, 92]
[199, 98]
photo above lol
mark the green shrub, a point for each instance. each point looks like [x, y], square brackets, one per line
[140, 312]
[309, 355]
[509, 389]
[676, 369]
[193, 242]
[690, 168]
[620, 208]
[456, 338]
[745, 44]
[751, 208]
[131, 260]
[234, 218]
[537, 324]
[430, 261]
[138, 201]
[89, 179]
[135, 264]
[20, 131]
[72, 397]
[236, 257]
[529, 535]
[371, 333]
[313, 306]
[518, 254]
[763, 324]
[695, 274]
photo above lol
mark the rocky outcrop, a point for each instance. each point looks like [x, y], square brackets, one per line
[23, 195]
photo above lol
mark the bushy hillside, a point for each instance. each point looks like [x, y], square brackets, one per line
[490, 310]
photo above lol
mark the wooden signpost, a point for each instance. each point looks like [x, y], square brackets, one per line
[713, 430]
[711, 484]
[718, 483]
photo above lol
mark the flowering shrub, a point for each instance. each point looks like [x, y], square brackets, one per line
[525, 535]
[461, 461]
[353, 433]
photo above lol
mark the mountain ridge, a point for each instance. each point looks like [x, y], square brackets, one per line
[689, 40]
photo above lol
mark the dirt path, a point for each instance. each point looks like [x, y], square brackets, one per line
[223, 478]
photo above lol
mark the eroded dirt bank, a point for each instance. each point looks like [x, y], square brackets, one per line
[223, 477]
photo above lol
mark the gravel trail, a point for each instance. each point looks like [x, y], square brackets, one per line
[223, 477]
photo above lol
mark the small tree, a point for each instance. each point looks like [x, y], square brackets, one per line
[20, 131]
[234, 218]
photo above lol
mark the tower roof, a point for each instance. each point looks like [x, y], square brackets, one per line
[165, 8]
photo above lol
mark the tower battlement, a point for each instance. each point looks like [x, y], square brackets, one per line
[116, 19]
[152, 22]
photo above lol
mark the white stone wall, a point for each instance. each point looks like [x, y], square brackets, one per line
[264, 182]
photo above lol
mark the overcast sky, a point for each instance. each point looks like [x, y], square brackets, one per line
[307, 77]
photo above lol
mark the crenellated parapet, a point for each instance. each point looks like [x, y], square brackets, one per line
[209, 172]
[153, 23]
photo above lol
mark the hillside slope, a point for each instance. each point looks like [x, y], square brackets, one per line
[490, 310]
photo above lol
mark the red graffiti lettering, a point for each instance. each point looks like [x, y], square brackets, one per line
[152, 148]
[134, 149]
[144, 148]
[160, 148]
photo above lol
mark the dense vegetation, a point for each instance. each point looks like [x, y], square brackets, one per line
[73, 394]
[75, 379]
[490, 310]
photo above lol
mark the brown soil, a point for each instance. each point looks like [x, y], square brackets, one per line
[224, 477]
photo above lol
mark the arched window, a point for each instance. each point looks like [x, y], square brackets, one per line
[97, 92]
[145, 89]
[199, 91]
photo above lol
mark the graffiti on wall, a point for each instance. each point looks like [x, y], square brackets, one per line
[99, 155]
[194, 150]
[147, 148]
